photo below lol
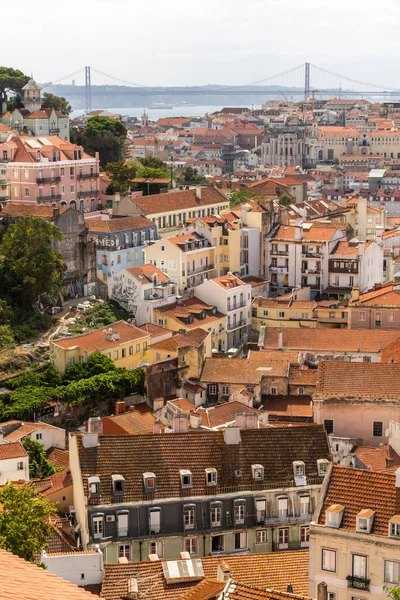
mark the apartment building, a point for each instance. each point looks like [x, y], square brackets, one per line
[141, 290]
[357, 400]
[283, 311]
[49, 170]
[355, 535]
[124, 343]
[299, 255]
[212, 493]
[14, 463]
[232, 297]
[375, 309]
[120, 244]
[188, 259]
[354, 264]
[281, 185]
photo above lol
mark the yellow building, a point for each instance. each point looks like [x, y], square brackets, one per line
[282, 312]
[190, 349]
[124, 343]
[332, 314]
[187, 259]
[190, 314]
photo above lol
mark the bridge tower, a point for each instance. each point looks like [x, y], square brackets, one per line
[307, 80]
[88, 90]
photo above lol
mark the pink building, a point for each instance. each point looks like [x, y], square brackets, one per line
[48, 170]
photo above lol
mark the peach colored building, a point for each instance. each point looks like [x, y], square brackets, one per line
[376, 309]
[48, 170]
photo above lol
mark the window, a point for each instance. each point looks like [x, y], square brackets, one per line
[137, 348]
[186, 478]
[391, 317]
[225, 390]
[261, 536]
[261, 510]
[240, 540]
[124, 550]
[122, 524]
[331, 596]
[328, 560]
[298, 468]
[20, 466]
[281, 314]
[362, 525]
[189, 512]
[366, 359]
[211, 476]
[115, 354]
[378, 319]
[283, 537]
[98, 526]
[392, 571]
[217, 543]
[155, 520]
[283, 507]
[190, 545]
[240, 506]
[305, 505]
[304, 536]
[157, 547]
[394, 529]
[359, 566]
[377, 429]
[361, 316]
[123, 352]
[26, 192]
[328, 426]
[265, 313]
[322, 464]
[39, 436]
[216, 514]
[257, 472]
[130, 350]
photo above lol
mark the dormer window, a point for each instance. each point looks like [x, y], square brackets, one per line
[118, 484]
[186, 478]
[364, 521]
[394, 526]
[211, 477]
[299, 469]
[333, 515]
[149, 480]
[94, 486]
[322, 464]
[257, 472]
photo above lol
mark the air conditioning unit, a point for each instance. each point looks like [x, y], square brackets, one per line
[110, 518]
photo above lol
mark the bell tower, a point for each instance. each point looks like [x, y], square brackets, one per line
[32, 98]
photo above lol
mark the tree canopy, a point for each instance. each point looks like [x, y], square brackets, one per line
[240, 197]
[30, 265]
[59, 103]
[107, 137]
[285, 199]
[11, 80]
[153, 162]
[39, 465]
[24, 521]
[122, 174]
[190, 176]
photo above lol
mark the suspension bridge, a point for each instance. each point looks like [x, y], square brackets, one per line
[297, 83]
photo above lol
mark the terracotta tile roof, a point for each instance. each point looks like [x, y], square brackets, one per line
[364, 381]
[205, 590]
[228, 282]
[193, 387]
[302, 376]
[117, 224]
[386, 295]
[59, 458]
[145, 273]
[241, 591]
[270, 570]
[192, 338]
[335, 340]
[247, 370]
[54, 483]
[359, 489]
[23, 210]
[179, 240]
[313, 234]
[283, 181]
[192, 306]
[132, 422]
[13, 450]
[181, 200]
[288, 406]
[183, 404]
[165, 455]
[22, 579]
[349, 249]
[222, 413]
[383, 459]
[154, 330]
[95, 340]
[24, 430]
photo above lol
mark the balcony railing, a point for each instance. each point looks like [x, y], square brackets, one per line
[199, 270]
[280, 252]
[48, 198]
[275, 269]
[358, 583]
[48, 179]
[311, 271]
[236, 325]
[87, 175]
[89, 193]
[236, 306]
[54, 130]
[293, 545]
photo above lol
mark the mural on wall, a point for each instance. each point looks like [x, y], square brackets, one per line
[125, 293]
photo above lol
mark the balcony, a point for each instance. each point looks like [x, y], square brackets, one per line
[89, 193]
[48, 198]
[236, 325]
[54, 130]
[236, 306]
[312, 254]
[295, 545]
[201, 269]
[280, 252]
[358, 583]
[48, 179]
[310, 271]
[275, 269]
[87, 175]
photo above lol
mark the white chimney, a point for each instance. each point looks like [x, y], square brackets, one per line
[252, 421]
[240, 420]
[280, 340]
[156, 427]
[95, 425]
[198, 192]
[158, 404]
[90, 440]
[232, 436]
[180, 423]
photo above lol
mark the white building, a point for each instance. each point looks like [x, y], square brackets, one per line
[80, 568]
[44, 433]
[14, 463]
[232, 298]
[355, 263]
[141, 289]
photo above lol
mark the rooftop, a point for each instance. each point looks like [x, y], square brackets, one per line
[361, 381]
[12, 450]
[180, 200]
[117, 224]
[96, 340]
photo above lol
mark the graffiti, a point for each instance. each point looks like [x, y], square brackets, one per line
[124, 294]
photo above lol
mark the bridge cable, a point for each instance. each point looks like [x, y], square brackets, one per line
[117, 78]
[274, 76]
[68, 76]
[380, 88]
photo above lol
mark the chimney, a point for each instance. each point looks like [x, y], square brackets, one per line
[252, 421]
[280, 340]
[56, 213]
[95, 425]
[232, 436]
[355, 294]
[156, 427]
[240, 420]
[158, 403]
[180, 423]
[389, 462]
[198, 192]
[361, 249]
[322, 591]
[223, 571]
[298, 231]
[117, 197]
[90, 440]
[119, 407]
[1, 437]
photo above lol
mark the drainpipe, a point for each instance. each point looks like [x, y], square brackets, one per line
[140, 550]
[204, 544]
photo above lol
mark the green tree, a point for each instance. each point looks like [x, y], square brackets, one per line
[24, 521]
[285, 199]
[97, 364]
[153, 162]
[106, 136]
[39, 465]
[393, 592]
[190, 175]
[153, 173]
[31, 265]
[121, 174]
[11, 80]
[59, 103]
[240, 197]
[7, 339]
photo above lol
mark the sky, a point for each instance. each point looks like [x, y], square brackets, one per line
[183, 42]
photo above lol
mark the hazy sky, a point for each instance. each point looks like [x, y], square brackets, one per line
[155, 42]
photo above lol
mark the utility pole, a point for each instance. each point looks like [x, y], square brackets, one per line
[307, 81]
[88, 90]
